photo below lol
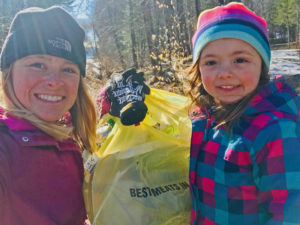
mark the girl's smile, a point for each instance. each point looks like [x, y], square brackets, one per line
[230, 69]
[228, 87]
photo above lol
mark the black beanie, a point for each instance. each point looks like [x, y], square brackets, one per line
[51, 31]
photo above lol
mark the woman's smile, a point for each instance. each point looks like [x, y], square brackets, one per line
[49, 98]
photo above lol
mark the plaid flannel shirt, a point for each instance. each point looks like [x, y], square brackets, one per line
[251, 176]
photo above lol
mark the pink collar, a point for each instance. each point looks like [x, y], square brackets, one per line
[14, 123]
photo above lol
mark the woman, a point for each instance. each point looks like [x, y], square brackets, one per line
[46, 120]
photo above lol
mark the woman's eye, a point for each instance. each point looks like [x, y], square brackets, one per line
[69, 70]
[38, 65]
[240, 60]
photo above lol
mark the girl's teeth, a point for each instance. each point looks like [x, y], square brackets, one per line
[50, 98]
[227, 87]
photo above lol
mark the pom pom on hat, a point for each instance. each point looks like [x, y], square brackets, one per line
[233, 20]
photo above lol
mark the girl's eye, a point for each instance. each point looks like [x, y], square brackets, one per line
[210, 63]
[240, 60]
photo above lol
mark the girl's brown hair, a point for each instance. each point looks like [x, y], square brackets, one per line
[227, 114]
[82, 113]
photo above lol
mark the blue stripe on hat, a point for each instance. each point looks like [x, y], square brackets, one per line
[237, 31]
[233, 21]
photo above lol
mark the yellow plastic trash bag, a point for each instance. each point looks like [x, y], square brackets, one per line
[141, 177]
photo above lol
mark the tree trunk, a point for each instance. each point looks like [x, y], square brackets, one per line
[288, 26]
[116, 38]
[198, 7]
[298, 26]
[183, 32]
[132, 35]
[96, 36]
[157, 40]
[288, 35]
[149, 31]
[170, 26]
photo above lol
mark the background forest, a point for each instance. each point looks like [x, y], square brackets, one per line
[152, 34]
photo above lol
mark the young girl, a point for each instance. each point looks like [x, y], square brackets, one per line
[46, 120]
[245, 151]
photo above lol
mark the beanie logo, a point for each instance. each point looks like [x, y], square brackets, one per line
[60, 43]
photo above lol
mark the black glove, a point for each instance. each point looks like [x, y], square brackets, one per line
[126, 94]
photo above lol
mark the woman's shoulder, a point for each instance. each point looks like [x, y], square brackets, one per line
[3, 126]
[12, 130]
[14, 123]
[6, 144]
[5, 134]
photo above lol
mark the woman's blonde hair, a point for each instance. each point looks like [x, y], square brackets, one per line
[83, 114]
[227, 114]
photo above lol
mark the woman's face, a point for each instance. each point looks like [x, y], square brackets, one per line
[230, 69]
[46, 85]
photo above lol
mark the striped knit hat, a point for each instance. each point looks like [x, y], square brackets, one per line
[232, 21]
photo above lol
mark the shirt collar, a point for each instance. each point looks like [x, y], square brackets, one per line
[29, 135]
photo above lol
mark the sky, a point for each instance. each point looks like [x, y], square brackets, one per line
[81, 9]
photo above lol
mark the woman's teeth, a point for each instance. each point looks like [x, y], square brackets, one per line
[50, 98]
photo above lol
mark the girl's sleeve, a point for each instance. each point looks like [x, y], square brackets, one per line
[276, 154]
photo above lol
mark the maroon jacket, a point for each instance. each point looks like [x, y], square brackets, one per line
[40, 178]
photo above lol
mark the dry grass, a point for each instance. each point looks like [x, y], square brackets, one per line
[94, 85]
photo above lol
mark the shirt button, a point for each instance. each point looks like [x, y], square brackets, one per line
[25, 139]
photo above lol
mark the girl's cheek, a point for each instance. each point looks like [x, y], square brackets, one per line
[206, 80]
[203, 70]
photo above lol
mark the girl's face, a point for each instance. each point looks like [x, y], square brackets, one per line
[230, 69]
[46, 85]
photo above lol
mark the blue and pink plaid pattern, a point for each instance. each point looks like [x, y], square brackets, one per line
[251, 176]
